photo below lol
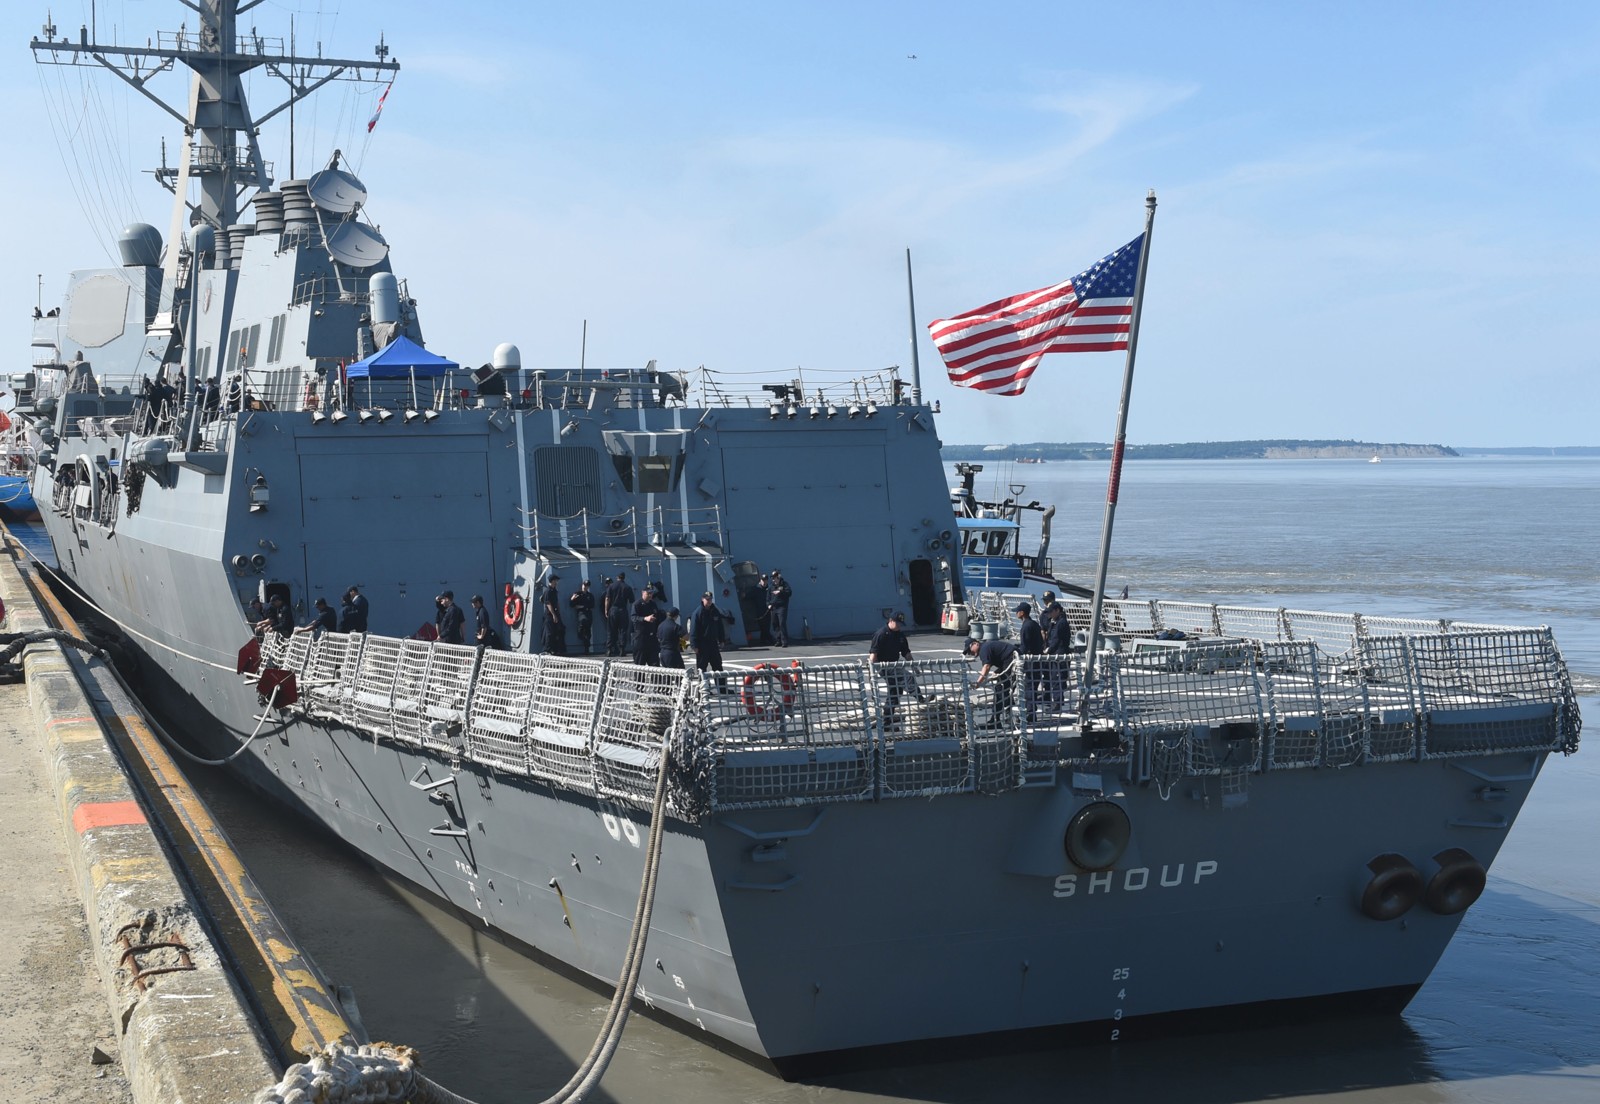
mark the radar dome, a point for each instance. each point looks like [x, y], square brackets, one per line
[506, 356]
[140, 244]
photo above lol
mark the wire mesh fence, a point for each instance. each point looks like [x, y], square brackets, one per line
[1278, 690]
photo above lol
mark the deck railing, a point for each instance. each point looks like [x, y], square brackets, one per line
[1220, 710]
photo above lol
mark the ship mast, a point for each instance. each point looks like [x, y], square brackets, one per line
[222, 153]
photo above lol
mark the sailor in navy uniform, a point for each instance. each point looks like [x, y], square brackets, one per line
[582, 603]
[646, 646]
[889, 645]
[618, 605]
[778, 594]
[353, 611]
[708, 633]
[1058, 645]
[999, 657]
[669, 640]
[1030, 643]
[555, 631]
[451, 621]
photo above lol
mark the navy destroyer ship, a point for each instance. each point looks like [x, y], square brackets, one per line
[1250, 813]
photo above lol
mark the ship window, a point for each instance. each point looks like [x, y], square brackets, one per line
[624, 466]
[233, 351]
[656, 474]
[275, 340]
[250, 348]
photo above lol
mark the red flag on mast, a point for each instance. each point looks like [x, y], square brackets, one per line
[384, 95]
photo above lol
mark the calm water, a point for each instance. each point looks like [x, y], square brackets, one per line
[1512, 1013]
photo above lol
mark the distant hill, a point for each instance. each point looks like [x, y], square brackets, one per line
[1287, 449]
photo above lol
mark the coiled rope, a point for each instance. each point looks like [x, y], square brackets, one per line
[383, 1073]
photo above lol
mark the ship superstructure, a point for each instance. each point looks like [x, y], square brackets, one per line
[857, 856]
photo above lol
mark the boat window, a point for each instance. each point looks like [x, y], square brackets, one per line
[997, 543]
[275, 339]
[657, 474]
[250, 348]
[233, 351]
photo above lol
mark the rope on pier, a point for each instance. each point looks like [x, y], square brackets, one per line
[13, 643]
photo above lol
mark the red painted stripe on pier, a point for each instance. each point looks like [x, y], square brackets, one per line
[106, 814]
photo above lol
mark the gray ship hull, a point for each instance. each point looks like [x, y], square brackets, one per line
[836, 933]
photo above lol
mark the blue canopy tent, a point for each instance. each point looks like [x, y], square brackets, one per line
[400, 360]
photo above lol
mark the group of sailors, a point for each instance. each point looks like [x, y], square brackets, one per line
[275, 616]
[1052, 635]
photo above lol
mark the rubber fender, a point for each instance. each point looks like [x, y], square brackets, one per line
[1097, 835]
[1457, 883]
[1394, 888]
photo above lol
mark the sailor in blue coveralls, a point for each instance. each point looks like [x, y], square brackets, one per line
[555, 631]
[582, 603]
[1058, 645]
[669, 640]
[646, 646]
[618, 603]
[450, 620]
[998, 657]
[1030, 643]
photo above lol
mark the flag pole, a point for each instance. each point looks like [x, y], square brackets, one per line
[916, 366]
[1116, 469]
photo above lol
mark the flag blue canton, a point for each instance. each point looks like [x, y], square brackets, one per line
[1113, 276]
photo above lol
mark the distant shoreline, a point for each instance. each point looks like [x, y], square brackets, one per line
[1284, 449]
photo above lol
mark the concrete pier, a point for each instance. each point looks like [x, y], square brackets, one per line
[112, 986]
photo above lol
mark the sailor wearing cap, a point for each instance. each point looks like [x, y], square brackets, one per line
[582, 603]
[617, 605]
[353, 611]
[708, 633]
[450, 621]
[999, 658]
[554, 639]
[889, 645]
[1030, 639]
[669, 640]
[646, 620]
[778, 594]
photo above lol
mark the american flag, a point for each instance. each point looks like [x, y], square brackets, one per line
[996, 347]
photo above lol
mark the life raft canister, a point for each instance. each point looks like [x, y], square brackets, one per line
[780, 700]
[1394, 888]
[514, 608]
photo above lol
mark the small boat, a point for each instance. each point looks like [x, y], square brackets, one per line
[18, 458]
[1375, 460]
[991, 540]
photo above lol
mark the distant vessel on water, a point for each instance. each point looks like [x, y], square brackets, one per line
[1249, 814]
[1376, 460]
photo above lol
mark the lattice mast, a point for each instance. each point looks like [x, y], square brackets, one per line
[222, 153]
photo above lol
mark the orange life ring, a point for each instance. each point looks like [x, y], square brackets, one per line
[776, 705]
[514, 608]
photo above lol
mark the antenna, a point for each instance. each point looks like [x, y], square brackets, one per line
[336, 191]
[357, 245]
